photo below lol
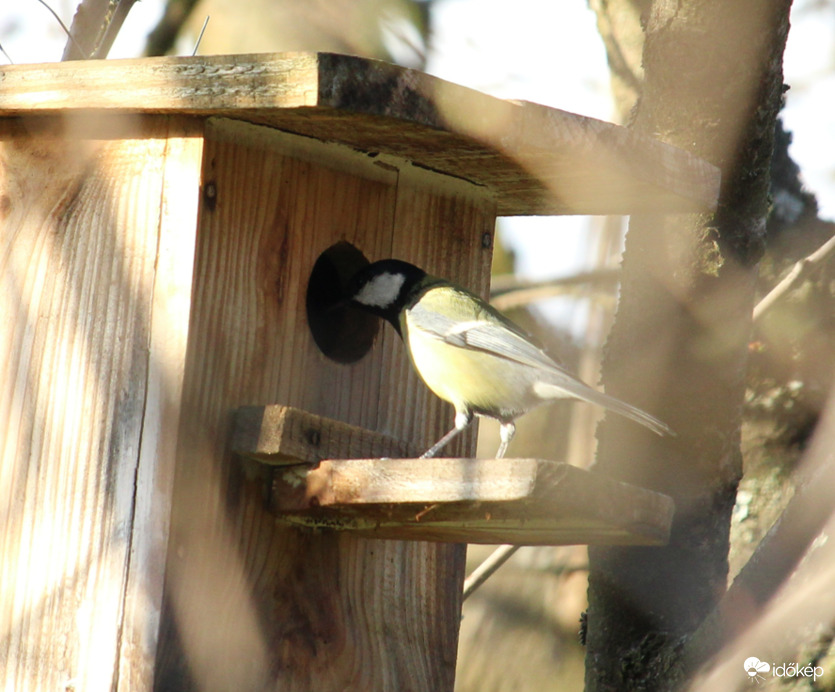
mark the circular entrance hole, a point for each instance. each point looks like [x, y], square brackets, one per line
[342, 331]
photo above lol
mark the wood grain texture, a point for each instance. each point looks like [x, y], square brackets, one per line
[251, 603]
[79, 237]
[519, 501]
[283, 435]
[535, 160]
[168, 339]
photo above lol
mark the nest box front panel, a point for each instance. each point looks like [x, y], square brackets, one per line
[250, 601]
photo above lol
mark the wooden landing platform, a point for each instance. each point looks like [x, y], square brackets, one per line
[518, 501]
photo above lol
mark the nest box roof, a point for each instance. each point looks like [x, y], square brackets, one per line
[534, 159]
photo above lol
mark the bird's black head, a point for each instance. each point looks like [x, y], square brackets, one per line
[384, 287]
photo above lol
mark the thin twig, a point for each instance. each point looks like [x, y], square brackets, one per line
[511, 293]
[64, 27]
[486, 569]
[799, 272]
[8, 57]
[200, 37]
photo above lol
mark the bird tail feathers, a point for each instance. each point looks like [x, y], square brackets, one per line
[585, 393]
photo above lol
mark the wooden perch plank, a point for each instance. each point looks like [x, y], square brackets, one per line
[535, 160]
[520, 501]
[283, 435]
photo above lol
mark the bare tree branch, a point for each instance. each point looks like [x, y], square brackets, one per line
[487, 568]
[87, 25]
[114, 26]
[801, 271]
[510, 292]
[94, 28]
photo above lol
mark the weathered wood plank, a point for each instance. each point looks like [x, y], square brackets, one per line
[283, 435]
[535, 160]
[521, 501]
[79, 235]
[168, 338]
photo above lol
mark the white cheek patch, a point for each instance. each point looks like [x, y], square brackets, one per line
[381, 291]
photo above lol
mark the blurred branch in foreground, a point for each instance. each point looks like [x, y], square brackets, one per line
[509, 292]
[772, 597]
[681, 338]
[392, 30]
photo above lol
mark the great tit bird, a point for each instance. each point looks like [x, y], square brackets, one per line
[469, 354]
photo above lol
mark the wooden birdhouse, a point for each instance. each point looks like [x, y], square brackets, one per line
[173, 233]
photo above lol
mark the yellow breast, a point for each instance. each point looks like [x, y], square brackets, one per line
[468, 379]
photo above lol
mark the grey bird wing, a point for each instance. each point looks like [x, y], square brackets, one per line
[487, 331]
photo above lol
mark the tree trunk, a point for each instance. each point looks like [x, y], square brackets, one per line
[713, 81]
